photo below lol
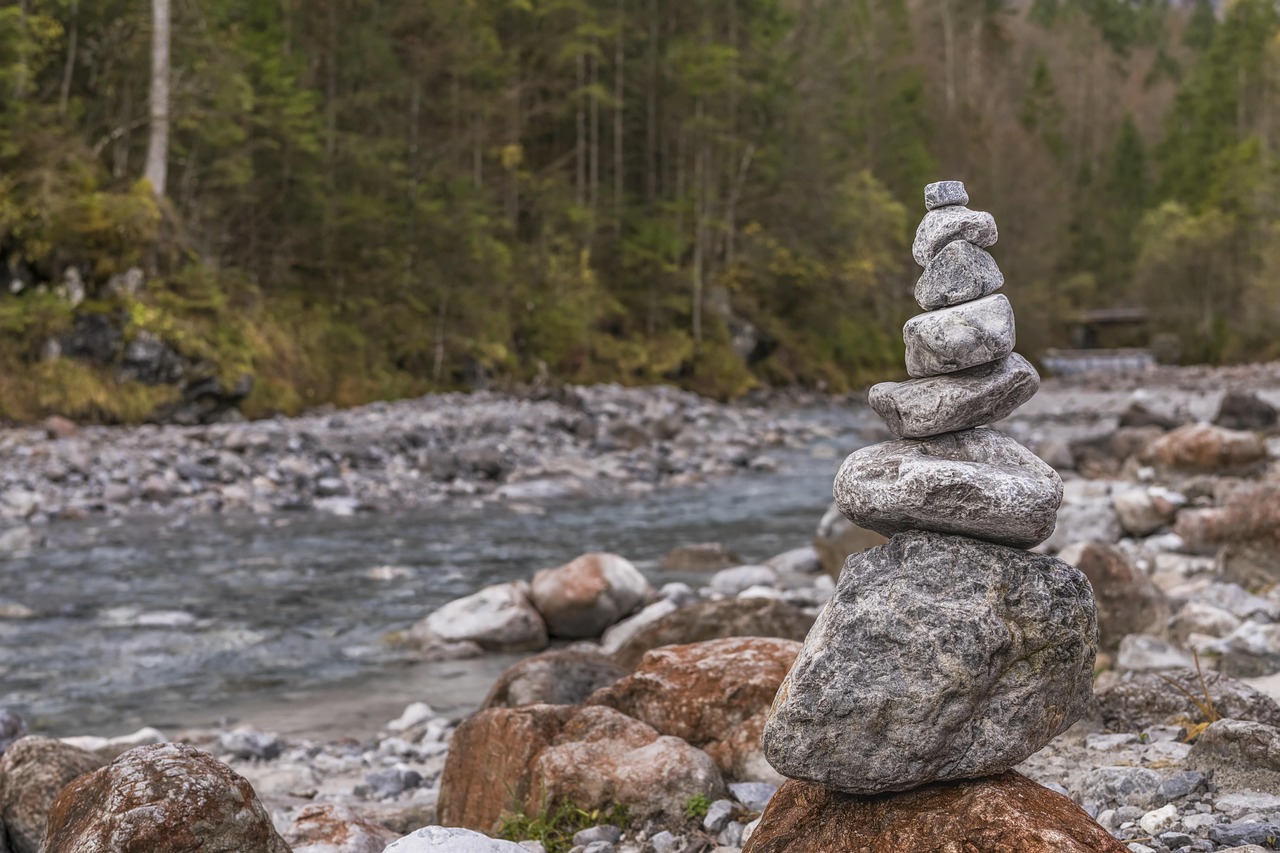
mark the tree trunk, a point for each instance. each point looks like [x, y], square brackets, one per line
[158, 143]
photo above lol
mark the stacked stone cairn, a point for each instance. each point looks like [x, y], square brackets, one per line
[949, 653]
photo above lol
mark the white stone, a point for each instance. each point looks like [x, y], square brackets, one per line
[1159, 820]
[439, 839]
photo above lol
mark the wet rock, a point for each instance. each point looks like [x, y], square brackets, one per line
[961, 272]
[962, 336]
[1244, 410]
[967, 398]
[944, 194]
[559, 677]
[715, 695]
[1128, 602]
[977, 483]
[534, 758]
[583, 597]
[1144, 700]
[1241, 755]
[1143, 511]
[1003, 814]
[498, 618]
[948, 224]
[33, 771]
[1204, 449]
[837, 537]
[163, 799]
[330, 828]
[858, 713]
[700, 557]
[712, 620]
[12, 727]
[438, 839]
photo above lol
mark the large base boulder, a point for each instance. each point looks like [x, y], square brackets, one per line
[32, 773]
[167, 798]
[930, 663]
[715, 695]
[1001, 814]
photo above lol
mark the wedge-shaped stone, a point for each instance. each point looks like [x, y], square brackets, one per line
[961, 400]
[939, 658]
[961, 272]
[978, 483]
[945, 194]
[948, 224]
[961, 336]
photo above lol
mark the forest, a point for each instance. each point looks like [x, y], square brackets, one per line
[339, 201]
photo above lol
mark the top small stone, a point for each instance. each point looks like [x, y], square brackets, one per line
[944, 194]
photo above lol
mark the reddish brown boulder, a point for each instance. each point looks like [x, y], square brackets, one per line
[715, 695]
[586, 595]
[165, 798]
[32, 772]
[714, 620]
[531, 759]
[1128, 602]
[560, 677]
[1248, 522]
[999, 814]
[336, 829]
[1204, 449]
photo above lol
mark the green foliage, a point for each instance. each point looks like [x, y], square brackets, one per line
[555, 829]
[696, 806]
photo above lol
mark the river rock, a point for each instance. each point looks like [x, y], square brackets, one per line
[498, 618]
[1143, 700]
[583, 597]
[167, 798]
[944, 194]
[32, 773]
[12, 727]
[1204, 449]
[1241, 755]
[1143, 511]
[1001, 814]
[978, 483]
[714, 695]
[958, 337]
[1244, 410]
[439, 839]
[735, 580]
[959, 273]
[331, 828]
[700, 557]
[712, 620]
[1128, 602]
[967, 398]
[948, 224]
[558, 677]
[931, 663]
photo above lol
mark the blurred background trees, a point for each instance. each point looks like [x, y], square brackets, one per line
[367, 199]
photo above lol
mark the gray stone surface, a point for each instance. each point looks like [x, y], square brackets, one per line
[967, 398]
[944, 194]
[451, 840]
[977, 483]
[959, 273]
[1241, 754]
[961, 336]
[948, 224]
[940, 657]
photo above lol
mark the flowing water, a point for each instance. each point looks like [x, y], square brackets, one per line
[283, 620]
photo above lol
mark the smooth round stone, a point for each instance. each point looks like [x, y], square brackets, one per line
[961, 272]
[945, 194]
[958, 337]
[967, 398]
[948, 224]
[939, 658]
[977, 483]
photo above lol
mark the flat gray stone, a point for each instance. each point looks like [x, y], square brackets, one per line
[945, 194]
[977, 483]
[940, 657]
[961, 400]
[948, 224]
[958, 337]
[961, 272]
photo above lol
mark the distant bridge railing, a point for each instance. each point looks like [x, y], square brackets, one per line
[1073, 362]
